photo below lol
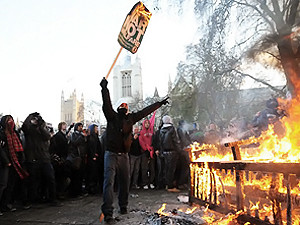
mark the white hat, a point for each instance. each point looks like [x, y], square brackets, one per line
[167, 119]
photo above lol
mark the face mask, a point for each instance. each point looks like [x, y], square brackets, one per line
[11, 125]
[122, 111]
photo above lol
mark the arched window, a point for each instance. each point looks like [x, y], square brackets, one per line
[126, 83]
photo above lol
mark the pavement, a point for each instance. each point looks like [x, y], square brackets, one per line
[82, 211]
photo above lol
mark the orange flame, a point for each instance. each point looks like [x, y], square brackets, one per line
[160, 211]
[141, 9]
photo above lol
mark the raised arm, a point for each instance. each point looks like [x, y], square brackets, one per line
[107, 106]
[148, 110]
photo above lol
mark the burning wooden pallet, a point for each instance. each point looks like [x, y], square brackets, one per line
[232, 186]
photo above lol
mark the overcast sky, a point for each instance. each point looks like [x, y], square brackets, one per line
[47, 46]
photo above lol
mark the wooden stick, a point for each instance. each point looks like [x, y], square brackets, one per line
[112, 66]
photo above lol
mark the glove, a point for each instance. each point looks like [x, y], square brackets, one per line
[165, 101]
[103, 83]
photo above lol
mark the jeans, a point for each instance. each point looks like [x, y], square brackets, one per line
[135, 165]
[160, 172]
[115, 165]
[147, 165]
[171, 159]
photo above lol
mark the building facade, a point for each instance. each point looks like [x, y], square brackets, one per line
[127, 81]
[72, 110]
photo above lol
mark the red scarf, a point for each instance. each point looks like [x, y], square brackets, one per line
[14, 145]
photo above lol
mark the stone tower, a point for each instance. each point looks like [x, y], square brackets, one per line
[127, 81]
[72, 110]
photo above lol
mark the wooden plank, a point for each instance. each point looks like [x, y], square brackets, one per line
[284, 168]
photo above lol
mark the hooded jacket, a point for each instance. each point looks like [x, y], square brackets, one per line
[169, 141]
[78, 142]
[37, 139]
[146, 136]
[119, 127]
[94, 145]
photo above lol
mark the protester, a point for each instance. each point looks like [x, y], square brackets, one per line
[148, 162]
[78, 158]
[59, 144]
[169, 145]
[116, 160]
[11, 164]
[183, 162]
[160, 178]
[135, 156]
[212, 135]
[94, 159]
[38, 162]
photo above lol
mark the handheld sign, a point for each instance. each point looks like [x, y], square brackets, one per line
[133, 30]
[134, 27]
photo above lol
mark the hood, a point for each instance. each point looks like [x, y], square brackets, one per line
[77, 125]
[144, 124]
[92, 128]
[3, 120]
[166, 128]
[167, 120]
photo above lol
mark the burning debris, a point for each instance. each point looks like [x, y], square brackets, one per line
[259, 177]
[182, 216]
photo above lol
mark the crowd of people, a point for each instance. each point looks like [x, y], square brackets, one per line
[40, 166]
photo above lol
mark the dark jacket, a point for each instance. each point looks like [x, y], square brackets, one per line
[4, 156]
[59, 145]
[168, 139]
[183, 137]
[119, 128]
[155, 141]
[94, 146]
[4, 151]
[37, 139]
[135, 148]
[78, 144]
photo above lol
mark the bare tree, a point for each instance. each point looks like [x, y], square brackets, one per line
[276, 31]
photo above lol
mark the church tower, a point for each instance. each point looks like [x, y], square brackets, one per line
[72, 110]
[127, 81]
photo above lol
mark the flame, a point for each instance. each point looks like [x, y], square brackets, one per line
[190, 211]
[160, 211]
[211, 185]
[141, 9]
[272, 148]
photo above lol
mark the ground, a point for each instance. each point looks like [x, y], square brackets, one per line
[142, 205]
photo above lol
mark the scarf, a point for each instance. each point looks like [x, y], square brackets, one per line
[14, 145]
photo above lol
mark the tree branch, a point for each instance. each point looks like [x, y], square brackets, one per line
[259, 12]
[291, 15]
[260, 81]
[275, 56]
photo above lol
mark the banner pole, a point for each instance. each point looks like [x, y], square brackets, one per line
[112, 66]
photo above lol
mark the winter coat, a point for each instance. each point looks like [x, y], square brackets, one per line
[59, 145]
[4, 156]
[135, 148]
[168, 139]
[78, 144]
[184, 137]
[37, 140]
[119, 127]
[94, 149]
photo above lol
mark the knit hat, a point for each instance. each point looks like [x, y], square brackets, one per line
[167, 119]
